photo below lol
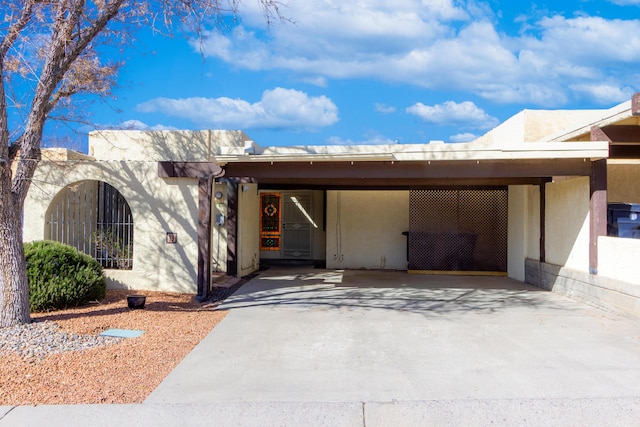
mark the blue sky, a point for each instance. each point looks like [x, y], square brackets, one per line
[375, 71]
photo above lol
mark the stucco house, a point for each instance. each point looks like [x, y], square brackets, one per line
[170, 210]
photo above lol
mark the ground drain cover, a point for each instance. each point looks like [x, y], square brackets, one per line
[122, 333]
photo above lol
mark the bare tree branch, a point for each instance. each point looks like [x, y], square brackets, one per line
[50, 53]
[16, 28]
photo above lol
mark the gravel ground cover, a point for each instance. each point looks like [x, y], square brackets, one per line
[60, 358]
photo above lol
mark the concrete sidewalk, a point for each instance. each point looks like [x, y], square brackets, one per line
[463, 413]
[316, 347]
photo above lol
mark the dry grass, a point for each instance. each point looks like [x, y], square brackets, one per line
[126, 372]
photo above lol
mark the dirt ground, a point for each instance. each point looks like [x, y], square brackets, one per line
[125, 372]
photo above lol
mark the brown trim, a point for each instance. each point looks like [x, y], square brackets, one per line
[388, 184]
[597, 210]
[616, 134]
[326, 172]
[624, 151]
[189, 169]
[543, 219]
[635, 104]
[232, 226]
[597, 133]
[204, 237]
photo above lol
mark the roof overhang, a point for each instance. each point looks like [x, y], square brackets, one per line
[406, 174]
[428, 152]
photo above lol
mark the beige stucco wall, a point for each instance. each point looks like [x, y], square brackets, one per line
[567, 223]
[618, 259]
[364, 229]
[623, 182]
[179, 146]
[524, 228]
[157, 205]
[319, 233]
[533, 222]
[517, 231]
[535, 125]
[248, 239]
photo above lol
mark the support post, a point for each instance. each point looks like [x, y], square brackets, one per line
[597, 210]
[205, 172]
[543, 204]
[204, 236]
[232, 227]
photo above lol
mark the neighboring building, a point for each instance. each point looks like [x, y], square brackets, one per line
[167, 210]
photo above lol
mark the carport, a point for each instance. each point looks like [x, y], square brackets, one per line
[442, 189]
[436, 182]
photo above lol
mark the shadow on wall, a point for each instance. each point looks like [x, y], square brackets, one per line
[154, 146]
[157, 205]
[567, 223]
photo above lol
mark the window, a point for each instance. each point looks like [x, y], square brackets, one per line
[95, 218]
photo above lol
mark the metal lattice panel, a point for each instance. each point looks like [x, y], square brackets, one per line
[458, 230]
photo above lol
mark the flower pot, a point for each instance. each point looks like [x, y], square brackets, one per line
[136, 301]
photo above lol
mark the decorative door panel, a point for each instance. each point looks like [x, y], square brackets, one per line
[270, 216]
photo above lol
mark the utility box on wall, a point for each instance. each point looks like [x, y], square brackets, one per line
[623, 220]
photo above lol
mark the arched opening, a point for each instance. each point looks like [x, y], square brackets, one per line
[95, 218]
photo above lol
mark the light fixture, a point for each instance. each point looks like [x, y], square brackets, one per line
[172, 238]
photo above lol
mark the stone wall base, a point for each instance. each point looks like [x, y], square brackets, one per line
[602, 292]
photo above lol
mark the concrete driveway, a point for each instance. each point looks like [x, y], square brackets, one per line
[306, 335]
[378, 349]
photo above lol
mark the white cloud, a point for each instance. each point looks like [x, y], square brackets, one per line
[333, 38]
[383, 108]
[369, 139]
[139, 125]
[132, 124]
[464, 114]
[626, 2]
[437, 44]
[278, 108]
[604, 93]
[463, 137]
[592, 40]
[319, 81]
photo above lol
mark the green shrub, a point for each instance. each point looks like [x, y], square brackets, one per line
[60, 276]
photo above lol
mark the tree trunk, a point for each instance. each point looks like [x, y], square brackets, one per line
[14, 288]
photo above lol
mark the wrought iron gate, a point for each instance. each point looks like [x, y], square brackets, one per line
[95, 218]
[458, 230]
[296, 226]
[286, 224]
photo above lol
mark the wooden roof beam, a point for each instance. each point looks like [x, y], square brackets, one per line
[189, 170]
[265, 171]
[616, 134]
